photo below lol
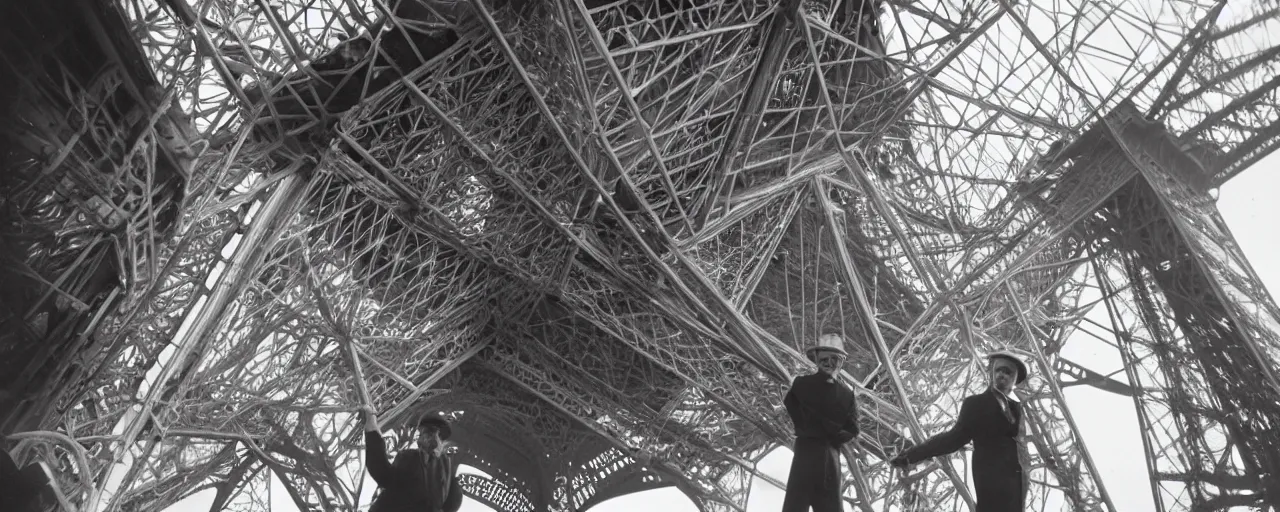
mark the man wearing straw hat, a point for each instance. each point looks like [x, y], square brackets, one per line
[420, 480]
[825, 414]
[992, 421]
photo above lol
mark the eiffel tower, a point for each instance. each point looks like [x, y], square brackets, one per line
[599, 234]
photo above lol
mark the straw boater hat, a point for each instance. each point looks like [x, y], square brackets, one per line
[1017, 361]
[436, 420]
[832, 342]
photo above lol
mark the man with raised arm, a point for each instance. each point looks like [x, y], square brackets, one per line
[992, 421]
[825, 414]
[422, 479]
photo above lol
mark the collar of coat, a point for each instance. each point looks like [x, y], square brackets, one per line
[998, 395]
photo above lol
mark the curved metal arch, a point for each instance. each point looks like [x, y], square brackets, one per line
[494, 439]
[495, 493]
[611, 475]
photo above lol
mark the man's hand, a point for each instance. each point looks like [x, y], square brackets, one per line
[899, 461]
[370, 418]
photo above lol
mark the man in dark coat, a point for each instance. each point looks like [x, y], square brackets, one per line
[825, 414]
[992, 421]
[420, 480]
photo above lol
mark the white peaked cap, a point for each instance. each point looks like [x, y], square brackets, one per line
[1014, 356]
[832, 342]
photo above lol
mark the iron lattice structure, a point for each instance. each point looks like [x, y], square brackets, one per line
[600, 233]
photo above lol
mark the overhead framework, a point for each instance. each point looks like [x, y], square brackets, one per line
[599, 234]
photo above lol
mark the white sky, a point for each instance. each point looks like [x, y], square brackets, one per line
[1107, 422]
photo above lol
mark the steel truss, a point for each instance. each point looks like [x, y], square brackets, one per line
[601, 233]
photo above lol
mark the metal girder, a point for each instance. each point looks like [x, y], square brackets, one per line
[443, 170]
[1085, 377]
[743, 124]
[1239, 62]
[494, 493]
[1199, 326]
[579, 405]
[609, 476]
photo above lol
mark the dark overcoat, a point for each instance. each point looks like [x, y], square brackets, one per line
[825, 414]
[997, 469]
[23, 490]
[416, 482]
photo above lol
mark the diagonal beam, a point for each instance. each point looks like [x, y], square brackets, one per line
[1047, 370]
[900, 109]
[750, 109]
[1130, 369]
[753, 280]
[1238, 103]
[1212, 85]
[252, 250]
[401, 408]
[927, 274]
[645, 129]
[758, 202]
[1263, 143]
[1087, 377]
[515, 184]
[1198, 38]
[539, 206]
[1054, 62]
[523, 191]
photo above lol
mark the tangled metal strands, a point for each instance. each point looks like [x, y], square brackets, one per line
[96, 171]
[600, 234]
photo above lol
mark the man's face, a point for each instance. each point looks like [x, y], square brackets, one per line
[1003, 374]
[428, 437]
[829, 361]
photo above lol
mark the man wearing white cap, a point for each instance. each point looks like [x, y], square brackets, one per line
[825, 414]
[992, 421]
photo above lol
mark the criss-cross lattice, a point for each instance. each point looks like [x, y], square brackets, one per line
[601, 234]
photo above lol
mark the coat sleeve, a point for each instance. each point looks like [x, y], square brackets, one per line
[792, 404]
[9, 472]
[453, 501]
[375, 459]
[950, 441]
[849, 428]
